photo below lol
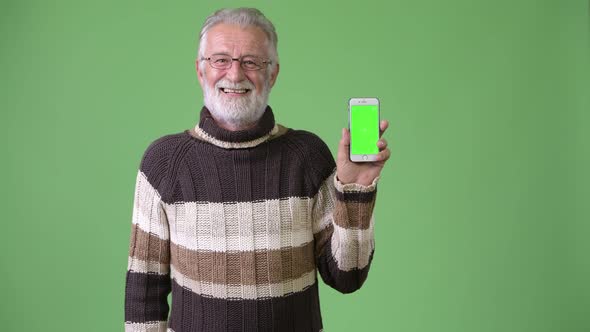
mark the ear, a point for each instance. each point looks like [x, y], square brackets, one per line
[200, 73]
[274, 75]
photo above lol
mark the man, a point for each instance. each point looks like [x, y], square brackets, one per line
[236, 216]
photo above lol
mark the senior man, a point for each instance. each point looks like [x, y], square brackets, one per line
[236, 215]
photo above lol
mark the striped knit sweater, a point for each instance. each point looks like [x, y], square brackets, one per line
[236, 225]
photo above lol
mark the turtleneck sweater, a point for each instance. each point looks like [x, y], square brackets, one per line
[237, 225]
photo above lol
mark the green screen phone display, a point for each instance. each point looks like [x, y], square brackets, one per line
[364, 129]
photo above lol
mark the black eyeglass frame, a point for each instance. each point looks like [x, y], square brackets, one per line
[240, 60]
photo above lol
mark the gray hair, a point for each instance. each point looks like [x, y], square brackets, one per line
[243, 17]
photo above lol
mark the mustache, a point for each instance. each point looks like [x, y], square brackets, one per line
[223, 83]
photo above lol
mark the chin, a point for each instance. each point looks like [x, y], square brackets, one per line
[236, 110]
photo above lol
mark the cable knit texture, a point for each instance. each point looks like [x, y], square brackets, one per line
[237, 226]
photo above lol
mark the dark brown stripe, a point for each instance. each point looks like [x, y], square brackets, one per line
[148, 247]
[281, 131]
[156, 158]
[353, 214]
[342, 281]
[264, 126]
[145, 297]
[299, 312]
[207, 173]
[355, 196]
[243, 268]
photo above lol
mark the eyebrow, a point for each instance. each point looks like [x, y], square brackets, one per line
[245, 55]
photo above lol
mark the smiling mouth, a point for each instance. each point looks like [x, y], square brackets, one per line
[234, 91]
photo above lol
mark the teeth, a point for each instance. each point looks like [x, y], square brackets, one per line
[234, 90]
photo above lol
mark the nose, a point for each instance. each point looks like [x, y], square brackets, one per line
[235, 72]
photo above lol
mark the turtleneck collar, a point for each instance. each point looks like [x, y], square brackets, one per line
[209, 130]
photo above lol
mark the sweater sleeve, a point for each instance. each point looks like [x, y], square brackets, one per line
[148, 273]
[342, 223]
[343, 233]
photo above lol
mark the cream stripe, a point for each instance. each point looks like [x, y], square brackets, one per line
[352, 248]
[148, 208]
[245, 218]
[146, 327]
[323, 208]
[220, 227]
[138, 265]
[181, 219]
[239, 292]
[355, 187]
[234, 145]
[275, 227]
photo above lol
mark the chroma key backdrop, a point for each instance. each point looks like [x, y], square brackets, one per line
[482, 215]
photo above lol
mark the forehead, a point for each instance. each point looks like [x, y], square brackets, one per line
[231, 39]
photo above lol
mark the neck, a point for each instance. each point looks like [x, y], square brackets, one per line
[243, 134]
[234, 127]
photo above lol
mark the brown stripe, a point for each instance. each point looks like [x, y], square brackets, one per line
[245, 268]
[148, 247]
[353, 214]
[322, 238]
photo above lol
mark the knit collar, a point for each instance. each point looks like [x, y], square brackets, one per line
[210, 131]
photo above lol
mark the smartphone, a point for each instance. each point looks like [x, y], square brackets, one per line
[363, 123]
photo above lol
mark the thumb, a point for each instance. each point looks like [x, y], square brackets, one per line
[344, 144]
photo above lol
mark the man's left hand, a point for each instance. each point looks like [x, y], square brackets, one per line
[361, 172]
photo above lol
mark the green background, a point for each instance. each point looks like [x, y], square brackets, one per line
[482, 217]
[363, 119]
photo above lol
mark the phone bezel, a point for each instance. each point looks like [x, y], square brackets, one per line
[363, 101]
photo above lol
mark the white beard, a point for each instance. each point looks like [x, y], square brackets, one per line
[236, 111]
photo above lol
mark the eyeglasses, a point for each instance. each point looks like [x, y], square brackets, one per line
[250, 62]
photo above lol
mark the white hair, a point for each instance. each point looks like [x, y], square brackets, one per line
[243, 17]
